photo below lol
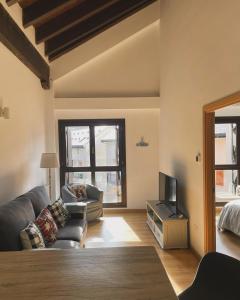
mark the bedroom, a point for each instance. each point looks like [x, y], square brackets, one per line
[227, 184]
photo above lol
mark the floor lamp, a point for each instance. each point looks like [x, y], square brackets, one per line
[49, 161]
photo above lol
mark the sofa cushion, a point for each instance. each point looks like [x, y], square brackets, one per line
[47, 225]
[59, 213]
[39, 199]
[14, 217]
[73, 230]
[31, 237]
[61, 244]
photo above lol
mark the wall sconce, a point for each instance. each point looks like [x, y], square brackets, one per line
[142, 143]
[4, 112]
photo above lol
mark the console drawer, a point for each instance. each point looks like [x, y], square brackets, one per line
[158, 234]
[150, 222]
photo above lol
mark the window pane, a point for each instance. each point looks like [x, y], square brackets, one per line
[78, 145]
[225, 144]
[110, 184]
[226, 182]
[78, 178]
[106, 145]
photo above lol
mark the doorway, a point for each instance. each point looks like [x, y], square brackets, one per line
[93, 152]
[213, 170]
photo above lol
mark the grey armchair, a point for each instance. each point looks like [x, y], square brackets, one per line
[94, 200]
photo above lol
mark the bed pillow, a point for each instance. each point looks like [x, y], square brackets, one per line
[47, 225]
[31, 237]
[59, 213]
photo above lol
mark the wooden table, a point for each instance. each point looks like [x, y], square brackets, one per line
[108, 273]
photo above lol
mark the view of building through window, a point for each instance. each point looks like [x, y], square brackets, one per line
[226, 179]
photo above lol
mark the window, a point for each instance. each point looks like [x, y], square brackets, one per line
[227, 155]
[93, 152]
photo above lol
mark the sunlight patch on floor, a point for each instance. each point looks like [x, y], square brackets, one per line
[116, 229]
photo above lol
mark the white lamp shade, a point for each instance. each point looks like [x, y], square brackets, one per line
[49, 160]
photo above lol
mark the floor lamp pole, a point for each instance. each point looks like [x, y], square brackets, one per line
[49, 182]
[49, 161]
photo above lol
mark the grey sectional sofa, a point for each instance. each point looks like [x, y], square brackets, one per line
[17, 214]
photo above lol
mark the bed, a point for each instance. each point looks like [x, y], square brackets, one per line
[230, 217]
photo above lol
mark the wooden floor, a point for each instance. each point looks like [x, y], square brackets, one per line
[228, 243]
[130, 229]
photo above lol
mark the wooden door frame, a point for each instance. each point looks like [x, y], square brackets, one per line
[208, 168]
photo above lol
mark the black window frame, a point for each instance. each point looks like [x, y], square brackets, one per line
[62, 124]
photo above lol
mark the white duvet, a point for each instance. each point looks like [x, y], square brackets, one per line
[230, 217]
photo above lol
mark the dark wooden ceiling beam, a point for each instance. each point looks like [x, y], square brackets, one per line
[43, 10]
[71, 18]
[11, 2]
[15, 40]
[25, 3]
[89, 28]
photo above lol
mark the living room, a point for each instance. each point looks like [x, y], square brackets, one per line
[156, 69]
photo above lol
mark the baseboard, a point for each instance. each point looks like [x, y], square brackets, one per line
[123, 210]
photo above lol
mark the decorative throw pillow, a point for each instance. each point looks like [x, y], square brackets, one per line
[31, 237]
[80, 191]
[47, 225]
[59, 213]
[83, 192]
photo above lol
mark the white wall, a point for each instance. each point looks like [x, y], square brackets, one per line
[106, 103]
[25, 135]
[142, 162]
[200, 63]
[130, 69]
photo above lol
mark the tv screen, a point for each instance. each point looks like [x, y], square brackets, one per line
[168, 190]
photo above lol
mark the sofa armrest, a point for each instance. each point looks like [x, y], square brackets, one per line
[67, 196]
[77, 209]
[94, 193]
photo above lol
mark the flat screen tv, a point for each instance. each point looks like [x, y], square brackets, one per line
[168, 192]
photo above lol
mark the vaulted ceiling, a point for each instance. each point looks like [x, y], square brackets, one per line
[63, 25]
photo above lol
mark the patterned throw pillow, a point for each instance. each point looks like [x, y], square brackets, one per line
[47, 225]
[80, 191]
[59, 213]
[31, 237]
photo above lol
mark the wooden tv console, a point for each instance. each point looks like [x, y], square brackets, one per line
[171, 231]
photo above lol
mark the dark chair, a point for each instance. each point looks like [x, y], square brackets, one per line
[217, 278]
